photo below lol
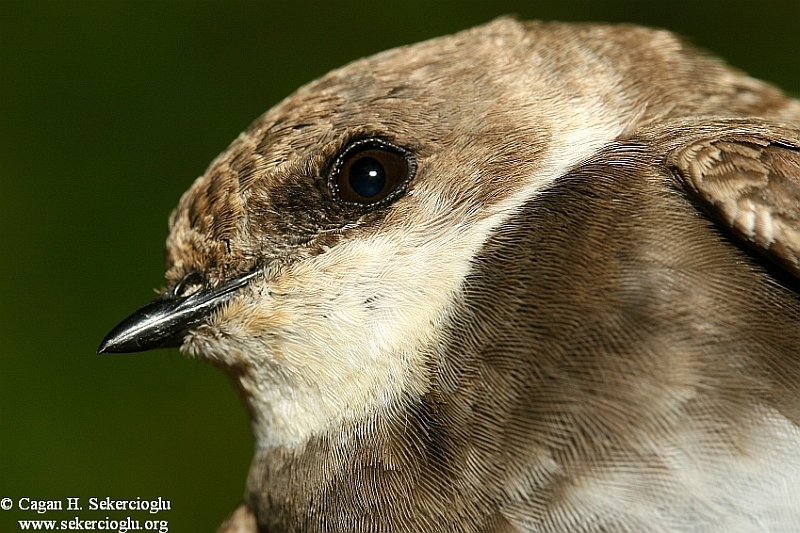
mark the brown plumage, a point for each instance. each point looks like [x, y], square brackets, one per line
[573, 307]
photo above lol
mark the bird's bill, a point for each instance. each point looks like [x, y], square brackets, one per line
[164, 322]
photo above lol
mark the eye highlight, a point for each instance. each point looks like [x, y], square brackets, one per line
[371, 172]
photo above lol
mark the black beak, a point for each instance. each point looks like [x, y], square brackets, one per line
[164, 321]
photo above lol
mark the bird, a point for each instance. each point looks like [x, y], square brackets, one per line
[528, 277]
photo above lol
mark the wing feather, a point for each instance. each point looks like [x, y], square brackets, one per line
[750, 183]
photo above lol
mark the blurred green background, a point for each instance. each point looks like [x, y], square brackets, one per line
[108, 111]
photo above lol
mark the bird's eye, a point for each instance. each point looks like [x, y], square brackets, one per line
[371, 171]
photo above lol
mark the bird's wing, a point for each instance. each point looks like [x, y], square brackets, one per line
[242, 520]
[750, 183]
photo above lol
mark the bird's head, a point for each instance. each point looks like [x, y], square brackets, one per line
[318, 258]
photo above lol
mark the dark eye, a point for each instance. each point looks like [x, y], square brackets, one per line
[371, 171]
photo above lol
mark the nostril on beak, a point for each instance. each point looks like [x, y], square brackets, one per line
[189, 284]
